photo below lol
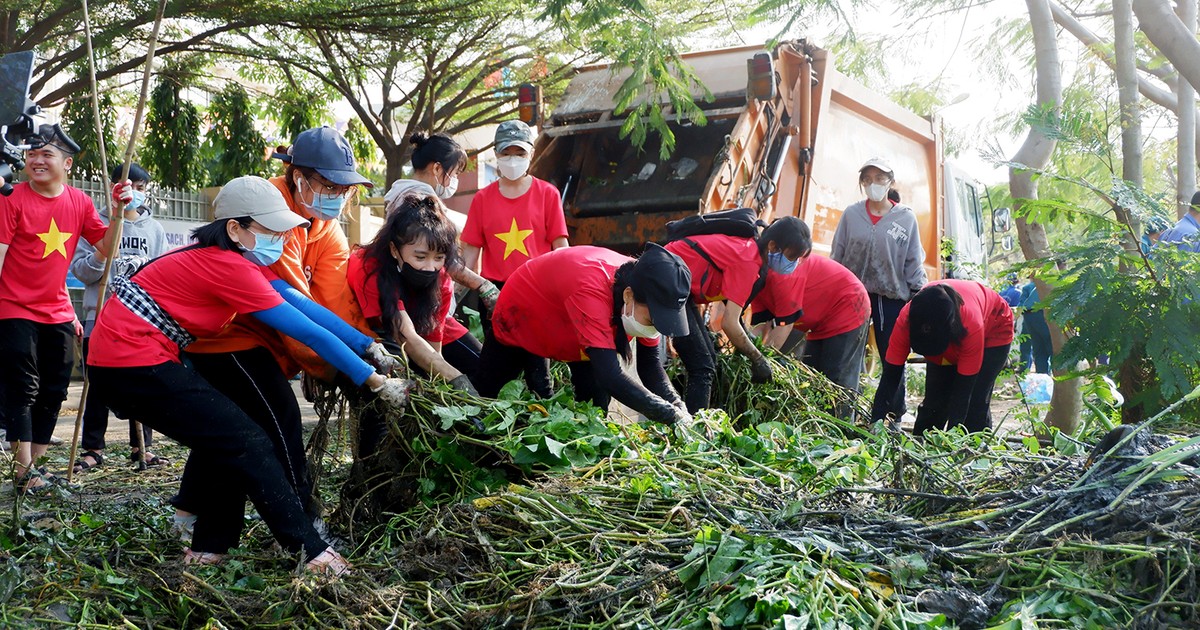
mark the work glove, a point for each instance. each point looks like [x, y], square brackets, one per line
[122, 192]
[127, 265]
[380, 359]
[488, 294]
[760, 370]
[394, 391]
[463, 384]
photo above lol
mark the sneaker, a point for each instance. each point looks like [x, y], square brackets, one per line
[330, 563]
[182, 526]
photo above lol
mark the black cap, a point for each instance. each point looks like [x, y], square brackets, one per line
[929, 315]
[136, 173]
[665, 282]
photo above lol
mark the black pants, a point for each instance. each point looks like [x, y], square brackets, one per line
[253, 381]
[236, 453]
[95, 419]
[840, 359]
[940, 381]
[35, 370]
[500, 363]
[884, 311]
[463, 355]
[583, 379]
[699, 357]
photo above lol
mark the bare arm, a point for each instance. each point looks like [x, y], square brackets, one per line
[422, 353]
[470, 255]
[559, 243]
[3, 253]
[777, 336]
[731, 325]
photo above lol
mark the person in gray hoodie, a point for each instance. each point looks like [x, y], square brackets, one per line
[879, 241]
[142, 238]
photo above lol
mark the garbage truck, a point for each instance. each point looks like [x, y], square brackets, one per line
[786, 133]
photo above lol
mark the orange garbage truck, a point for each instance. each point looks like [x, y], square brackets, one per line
[786, 134]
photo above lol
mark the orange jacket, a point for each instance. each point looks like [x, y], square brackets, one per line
[314, 262]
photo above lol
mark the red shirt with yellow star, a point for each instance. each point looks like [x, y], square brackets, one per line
[985, 315]
[561, 304]
[511, 231]
[41, 233]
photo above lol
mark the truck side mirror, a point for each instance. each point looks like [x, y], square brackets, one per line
[1006, 243]
[1002, 221]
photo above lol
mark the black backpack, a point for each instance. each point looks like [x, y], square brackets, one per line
[740, 222]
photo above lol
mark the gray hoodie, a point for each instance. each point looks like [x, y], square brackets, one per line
[142, 237]
[886, 256]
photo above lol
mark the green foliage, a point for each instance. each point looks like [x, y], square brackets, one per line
[295, 111]
[79, 121]
[172, 146]
[361, 144]
[233, 146]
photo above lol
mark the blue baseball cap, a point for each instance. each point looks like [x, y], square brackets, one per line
[327, 152]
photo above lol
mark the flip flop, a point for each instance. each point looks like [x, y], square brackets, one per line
[81, 464]
[154, 460]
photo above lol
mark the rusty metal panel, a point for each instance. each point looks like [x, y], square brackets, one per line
[625, 233]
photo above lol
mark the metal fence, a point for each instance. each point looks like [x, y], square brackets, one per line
[179, 205]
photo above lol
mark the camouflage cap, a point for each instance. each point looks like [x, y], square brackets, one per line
[513, 132]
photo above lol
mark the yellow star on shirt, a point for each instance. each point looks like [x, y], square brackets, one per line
[514, 240]
[55, 241]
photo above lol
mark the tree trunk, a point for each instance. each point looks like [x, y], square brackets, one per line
[1185, 156]
[1170, 36]
[1035, 152]
[1130, 374]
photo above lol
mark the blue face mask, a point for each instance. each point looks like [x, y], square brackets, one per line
[139, 200]
[266, 250]
[779, 263]
[324, 206]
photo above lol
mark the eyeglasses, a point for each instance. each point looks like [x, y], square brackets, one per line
[326, 187]
[878, 179]
[273, 237]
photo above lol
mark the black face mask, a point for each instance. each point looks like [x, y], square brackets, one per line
[416, 277]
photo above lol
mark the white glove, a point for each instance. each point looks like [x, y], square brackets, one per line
[394, 391]
[127, 265]
[380, 359]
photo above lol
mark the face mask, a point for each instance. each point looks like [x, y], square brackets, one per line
[323, 206]
[446, 191]
[877, 192]
[634, 328]
[417, 277]
[513, 166]
[779, 263]
[139, 200]
[266, 250]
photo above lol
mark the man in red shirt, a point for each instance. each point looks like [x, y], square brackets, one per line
[516, 218]
[825, 305]
[40, 224]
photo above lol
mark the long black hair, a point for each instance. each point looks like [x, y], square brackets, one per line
[215, 235]
[438, 148]
[415, 218]
[621, 279]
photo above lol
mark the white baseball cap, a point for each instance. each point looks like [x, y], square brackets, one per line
[878, 163]
[259, 199]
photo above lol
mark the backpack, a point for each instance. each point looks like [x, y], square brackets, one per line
[739, 222]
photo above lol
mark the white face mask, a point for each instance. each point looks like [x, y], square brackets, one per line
[634, 328]
[446, 191]
[877, 192]
[513, 166]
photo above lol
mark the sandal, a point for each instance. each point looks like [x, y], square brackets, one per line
[202, 557]
[25, 485]
[330, 563]
[82, 464]
[152, 462]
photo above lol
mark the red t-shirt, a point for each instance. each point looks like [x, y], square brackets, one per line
[738, 259]
[201, 288]
[512, 231]
[453, 331]
[832, 298]
[560, 304]
[986, 316]
[364, 282]
[41, 234]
